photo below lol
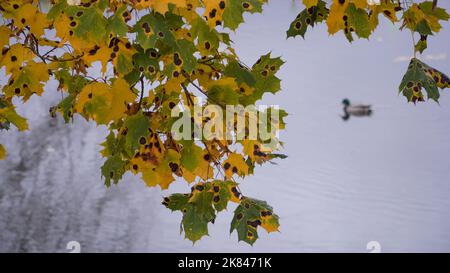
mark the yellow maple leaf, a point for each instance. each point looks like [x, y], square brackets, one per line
[66, 34]
[28, 81]
[94, 101]
[28, 15]
[9, 114]
[337, 11]
[13, 57]
[213, 12]
[98, 53]
[388, 9]
[310, 3]
[204, 170]
[235, 164]
[5, 33]
[121, 97]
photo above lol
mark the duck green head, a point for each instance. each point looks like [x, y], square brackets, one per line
[346, 102]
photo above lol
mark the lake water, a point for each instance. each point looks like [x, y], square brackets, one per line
[385, 178]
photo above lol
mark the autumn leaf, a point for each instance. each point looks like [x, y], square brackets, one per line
[421, 76]
[315, 12]
[200, 207]
[9, 115]
[235, 164]
[250, 214]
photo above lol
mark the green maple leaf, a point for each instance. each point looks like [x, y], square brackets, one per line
[423, 28]
[308, 17]
[116, 23]
[137, 127]
[250, 214]
[176, 201]
[146, 64]
[223, 95]
[233, 13]
[187, 50]
[90, 17]
[200, 206]
[197, 210]
[358, 19]
[113, 169]
[155, 27]
[208, 38]
[264, 71]
[112, 145]
[421, 76]
[240, 73]
[124, 65]
[439, 13]
[57, 9]
[190, 155]
[194, 224]
[66, 107]
[222, 193]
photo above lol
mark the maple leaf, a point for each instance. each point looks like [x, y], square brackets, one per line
[191, 155]
[234, 9]
[387, 8]
[113, 169]
[14, 56]
[264, 71]
[423, 18]
[315, 12]
[200, 207]
[335, 20]
[28, 81]
[122, 95]
[224, 192]
[154, 27]
[137, 127]
[94, 102]
[117, 24]
[230, 12]
[250, 214]
[27, 15]
[419, 75]
[9, 115]
[235, 164]
[208, 40]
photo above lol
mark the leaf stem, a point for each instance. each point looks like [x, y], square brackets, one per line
[434, 4]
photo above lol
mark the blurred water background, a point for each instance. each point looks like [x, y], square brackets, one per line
[384, 178]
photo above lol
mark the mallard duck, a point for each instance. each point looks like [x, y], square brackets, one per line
[358, 110]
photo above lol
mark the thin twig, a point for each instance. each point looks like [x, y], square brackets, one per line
[188, 95]
[142, 92]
